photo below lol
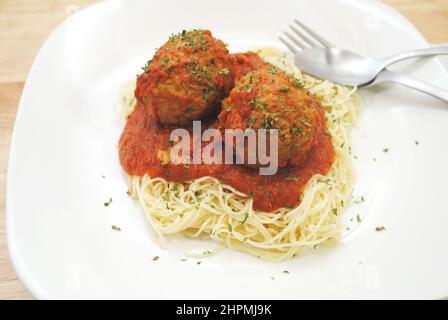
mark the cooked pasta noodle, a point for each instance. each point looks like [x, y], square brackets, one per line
[207, 207]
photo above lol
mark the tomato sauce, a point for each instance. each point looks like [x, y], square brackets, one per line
[145, 144]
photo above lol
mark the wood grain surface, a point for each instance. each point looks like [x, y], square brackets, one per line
[24, 25]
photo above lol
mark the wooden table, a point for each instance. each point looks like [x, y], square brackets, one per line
[24, 25]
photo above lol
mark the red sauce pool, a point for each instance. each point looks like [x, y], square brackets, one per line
[143, 137]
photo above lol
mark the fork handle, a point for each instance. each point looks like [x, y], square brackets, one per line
[389, 76]
[425, 52]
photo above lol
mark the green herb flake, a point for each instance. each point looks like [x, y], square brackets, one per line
[298, 84]
[251, 194]
[253, 120]
[386, 150]
[273, 71]
[108, 203]
[229, 227]
[224, 71]
[116, 228]
[246, 216]
[155, 258]
[228, 108]
[189, 109]
[379, 229]
[358, 218]
[284, 90]
[286, 271]
[163, 62]
[295, 130]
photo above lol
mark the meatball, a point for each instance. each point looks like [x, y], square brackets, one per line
[186, 79]
[269, 99]
[243, 63]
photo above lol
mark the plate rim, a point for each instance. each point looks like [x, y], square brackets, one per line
[20, 267]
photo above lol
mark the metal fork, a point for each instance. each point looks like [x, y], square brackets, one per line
[317, 56]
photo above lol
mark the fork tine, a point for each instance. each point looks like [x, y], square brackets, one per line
[304, 37]
[288, 45]
[316, 37]
[296, 41]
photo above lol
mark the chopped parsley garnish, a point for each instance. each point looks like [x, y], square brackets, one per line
[284, 90]
[229, 227]
[246, 216]
[206, 92]
[195, 70]
[253, 120]
[298, 83]
[251, 194]
[294, 179]
[417, 142]
[334, 211]
[163, 62]
[248, 87]
[268, 123]
[224, 71]
[228, 108]
[155, 258]
[273, 71]
[116, 228]
[379, 229]
[189, 109]
[212, 61]
[108, 203]
[358, 218]
[386, 150]
[295, 130]
[286, 271]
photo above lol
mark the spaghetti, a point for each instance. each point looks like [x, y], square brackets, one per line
[206, 206]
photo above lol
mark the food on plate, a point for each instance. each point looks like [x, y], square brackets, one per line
[269, 99]
[274, 217]
[186, 78]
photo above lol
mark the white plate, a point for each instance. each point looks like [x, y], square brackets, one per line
[65, 140]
